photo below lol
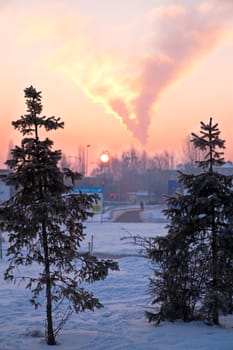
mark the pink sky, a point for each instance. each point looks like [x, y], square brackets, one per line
[141, 73]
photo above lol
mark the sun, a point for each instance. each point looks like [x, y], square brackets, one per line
[104, 158]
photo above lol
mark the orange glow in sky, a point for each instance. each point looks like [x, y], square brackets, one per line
[119, 73]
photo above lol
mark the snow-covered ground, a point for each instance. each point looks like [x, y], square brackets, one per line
[120, 325]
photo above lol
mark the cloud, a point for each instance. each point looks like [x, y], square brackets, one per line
[129, 85]
[5, 4]
[172, 11]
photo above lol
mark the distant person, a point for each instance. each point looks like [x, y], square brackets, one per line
[142, 205]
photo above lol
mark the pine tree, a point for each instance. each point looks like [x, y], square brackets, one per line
[46, 223]
[194, 277]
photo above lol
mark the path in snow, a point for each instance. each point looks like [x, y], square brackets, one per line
[132, 215]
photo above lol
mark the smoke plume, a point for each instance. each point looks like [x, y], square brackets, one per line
[129, 87]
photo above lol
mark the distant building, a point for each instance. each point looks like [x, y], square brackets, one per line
[135, 197]
[174, 186]
[5, 191]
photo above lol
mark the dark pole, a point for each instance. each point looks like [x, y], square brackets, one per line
[87, 160]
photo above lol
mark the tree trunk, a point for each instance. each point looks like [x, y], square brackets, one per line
[215, 313]
[50, 332]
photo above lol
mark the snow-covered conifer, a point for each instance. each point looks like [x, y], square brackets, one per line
[46, 223]
[194, 262]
